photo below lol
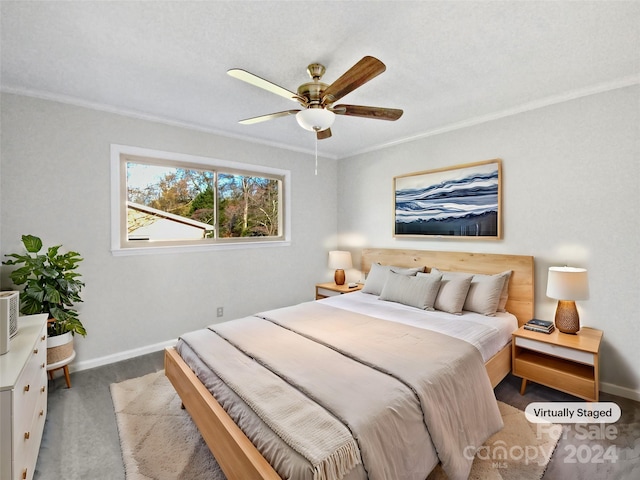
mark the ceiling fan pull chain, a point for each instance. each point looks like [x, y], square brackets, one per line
[316, 154]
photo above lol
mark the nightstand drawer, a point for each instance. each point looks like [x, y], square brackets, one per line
[330, 289]
[556, 350]
[327, 293]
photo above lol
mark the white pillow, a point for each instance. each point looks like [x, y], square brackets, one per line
[378, 276]
[415, 291]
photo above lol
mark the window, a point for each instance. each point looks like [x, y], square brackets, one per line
[167, 202]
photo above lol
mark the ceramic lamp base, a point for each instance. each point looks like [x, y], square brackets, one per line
[339, 277]
[567, 319]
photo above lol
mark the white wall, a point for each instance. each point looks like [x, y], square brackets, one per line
[55, 184]
[571, 177]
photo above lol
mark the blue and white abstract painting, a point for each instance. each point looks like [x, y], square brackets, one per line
[461, 201]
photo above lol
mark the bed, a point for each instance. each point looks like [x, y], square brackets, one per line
[237, 455]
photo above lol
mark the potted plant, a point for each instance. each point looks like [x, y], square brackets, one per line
[51, 286]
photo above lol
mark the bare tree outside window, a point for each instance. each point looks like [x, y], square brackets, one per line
[170, 203]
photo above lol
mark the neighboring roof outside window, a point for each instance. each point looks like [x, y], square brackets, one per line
[138, 229]
[146, 223]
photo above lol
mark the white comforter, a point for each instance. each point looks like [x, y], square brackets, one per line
[488, 334]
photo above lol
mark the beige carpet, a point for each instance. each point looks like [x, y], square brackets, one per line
[160, 442]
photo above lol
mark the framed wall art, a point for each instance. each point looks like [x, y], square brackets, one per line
[460, 201]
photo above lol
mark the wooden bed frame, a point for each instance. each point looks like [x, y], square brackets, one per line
[238, 457]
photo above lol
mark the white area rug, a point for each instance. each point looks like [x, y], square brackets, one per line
[158, 439]
[160, 442]
[517, 452]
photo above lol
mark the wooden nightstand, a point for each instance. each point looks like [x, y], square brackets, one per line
[329, 289]
[568, 363]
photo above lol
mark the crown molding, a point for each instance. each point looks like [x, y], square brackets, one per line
[525, 107]
[69, 100]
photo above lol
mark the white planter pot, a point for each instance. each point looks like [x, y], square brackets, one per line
[59, 348]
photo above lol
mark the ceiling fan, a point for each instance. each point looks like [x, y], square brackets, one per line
[317, 98]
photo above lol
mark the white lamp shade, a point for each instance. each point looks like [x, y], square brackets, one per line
[567, 283]
[315, 119]
[339, 260]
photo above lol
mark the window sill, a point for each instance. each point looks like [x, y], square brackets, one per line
[159, 250]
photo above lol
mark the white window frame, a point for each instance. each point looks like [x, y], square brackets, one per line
[120, 246]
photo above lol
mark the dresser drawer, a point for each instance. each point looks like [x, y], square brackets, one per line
[28, 447]
[31, 386]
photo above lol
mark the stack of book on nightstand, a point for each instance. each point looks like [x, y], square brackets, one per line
[543, 326]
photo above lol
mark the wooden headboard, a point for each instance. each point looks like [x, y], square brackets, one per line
[521, 284]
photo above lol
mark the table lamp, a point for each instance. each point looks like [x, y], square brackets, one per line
[339, 261]
[567, 284]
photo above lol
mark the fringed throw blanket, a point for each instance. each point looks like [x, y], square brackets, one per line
[303, 424]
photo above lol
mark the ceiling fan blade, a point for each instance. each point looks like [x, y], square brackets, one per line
[356, 76]
[264, 118]
[368, 112]
[262, 83]
[322, 134]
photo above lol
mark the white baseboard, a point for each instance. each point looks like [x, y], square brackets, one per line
[117, 357]
[620, 391]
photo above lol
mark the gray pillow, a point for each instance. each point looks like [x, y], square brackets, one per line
[378, 276]
[415, 291]
[406, 271]
[481, 286]
[484, 294]
[453, 291]
[476, 306]
[376, 279]
[504, 296]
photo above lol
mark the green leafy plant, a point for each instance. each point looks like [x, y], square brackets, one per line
[51, 285]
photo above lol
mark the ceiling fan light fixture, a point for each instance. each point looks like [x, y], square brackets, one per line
[315, 119]
[317, 98]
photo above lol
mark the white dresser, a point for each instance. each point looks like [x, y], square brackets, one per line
[23, 398]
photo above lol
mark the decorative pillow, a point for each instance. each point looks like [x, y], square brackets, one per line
[376, 279]
[406, 271]
[504, 293]
[484, 294]
[453, 291]
[504, 296]
[415, 291]
[378, 276]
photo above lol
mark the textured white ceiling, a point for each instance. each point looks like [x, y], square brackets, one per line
[448, 63]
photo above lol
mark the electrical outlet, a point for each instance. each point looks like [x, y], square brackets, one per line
[220, 311]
